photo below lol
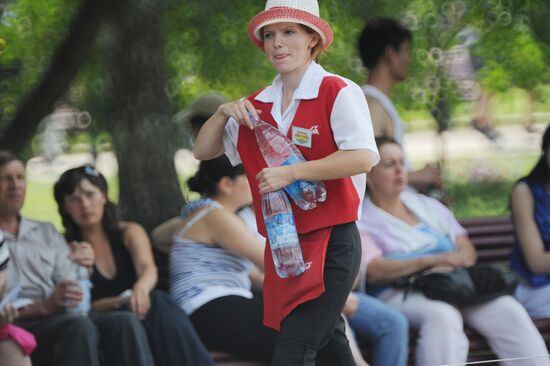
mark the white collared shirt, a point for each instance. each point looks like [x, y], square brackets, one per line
[39, 259]
[350, 118]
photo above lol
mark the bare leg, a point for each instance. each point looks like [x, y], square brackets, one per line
[11, 354]
[482, 119]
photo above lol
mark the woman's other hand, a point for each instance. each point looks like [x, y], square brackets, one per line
[241, 111]
[109, 303]
[82, 253]
[140, 302]
[272, 179]
[427, 177]
[449, 259]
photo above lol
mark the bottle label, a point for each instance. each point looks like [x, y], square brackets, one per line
[281, 230]
[296, 188]
[84, 306]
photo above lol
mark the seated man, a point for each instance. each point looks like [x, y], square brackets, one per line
[40, 264]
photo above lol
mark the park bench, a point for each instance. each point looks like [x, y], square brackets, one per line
[493, 238]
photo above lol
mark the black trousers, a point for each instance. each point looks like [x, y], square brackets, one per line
[165, 337]
[63, 340]
[314, 332]
[172, 337]
[234, 324]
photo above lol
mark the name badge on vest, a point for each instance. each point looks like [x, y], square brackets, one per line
[301, 136]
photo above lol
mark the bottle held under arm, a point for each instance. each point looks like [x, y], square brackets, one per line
[282, 235]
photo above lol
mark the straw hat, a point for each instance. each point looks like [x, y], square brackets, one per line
[304, 12]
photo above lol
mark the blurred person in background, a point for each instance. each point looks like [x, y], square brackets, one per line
[197, 113]
[138, 325]
[216, 263]
[44, 267]
[411, 233]
[384, 46]
[530, 204]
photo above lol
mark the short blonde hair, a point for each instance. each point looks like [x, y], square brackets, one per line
[318, 49]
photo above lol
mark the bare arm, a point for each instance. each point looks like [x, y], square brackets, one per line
[209, 143]
[341, 163]
[381, 270]
[229, 231]
[139, 246]
[466, 251]
[381, 120]
[428, 176]
[162, 234]
[530, 241]
[64, 293]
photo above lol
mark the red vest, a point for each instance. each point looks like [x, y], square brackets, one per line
[342, 196]
[281, 296]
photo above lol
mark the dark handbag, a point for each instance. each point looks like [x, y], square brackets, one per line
[492, 281]
[462, 286]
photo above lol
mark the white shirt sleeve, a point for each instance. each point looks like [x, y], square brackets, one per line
[230, 137]
[350, 121]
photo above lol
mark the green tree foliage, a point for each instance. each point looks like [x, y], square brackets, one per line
[29, 34]
[207, 48]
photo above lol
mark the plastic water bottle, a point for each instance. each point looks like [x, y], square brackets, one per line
[277, 150]
[281, 231]
[85, 286]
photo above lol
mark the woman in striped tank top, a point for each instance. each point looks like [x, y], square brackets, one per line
[213, 257]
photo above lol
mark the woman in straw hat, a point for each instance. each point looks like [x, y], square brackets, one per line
[331, 117]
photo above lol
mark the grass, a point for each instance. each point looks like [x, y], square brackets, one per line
[482, 187]
[476, 187]
[40, 203]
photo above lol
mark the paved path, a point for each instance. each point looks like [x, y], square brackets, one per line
[469, 143]
[421, 147]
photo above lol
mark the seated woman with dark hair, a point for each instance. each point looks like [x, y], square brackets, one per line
[213, 256]
[412, 232]
[530, 203]
[147, 327]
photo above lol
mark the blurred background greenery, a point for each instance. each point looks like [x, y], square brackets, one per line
[125, 67]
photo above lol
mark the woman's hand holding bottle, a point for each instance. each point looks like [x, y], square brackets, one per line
[241, 111]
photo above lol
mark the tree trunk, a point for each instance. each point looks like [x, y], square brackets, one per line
[139, 113]
[69, 57]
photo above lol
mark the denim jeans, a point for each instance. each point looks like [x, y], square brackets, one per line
[385, 328]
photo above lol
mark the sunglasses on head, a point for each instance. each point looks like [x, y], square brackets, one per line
[87, 169]
[90, 170]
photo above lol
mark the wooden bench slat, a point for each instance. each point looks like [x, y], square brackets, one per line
[493, 238]
[484, 221]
